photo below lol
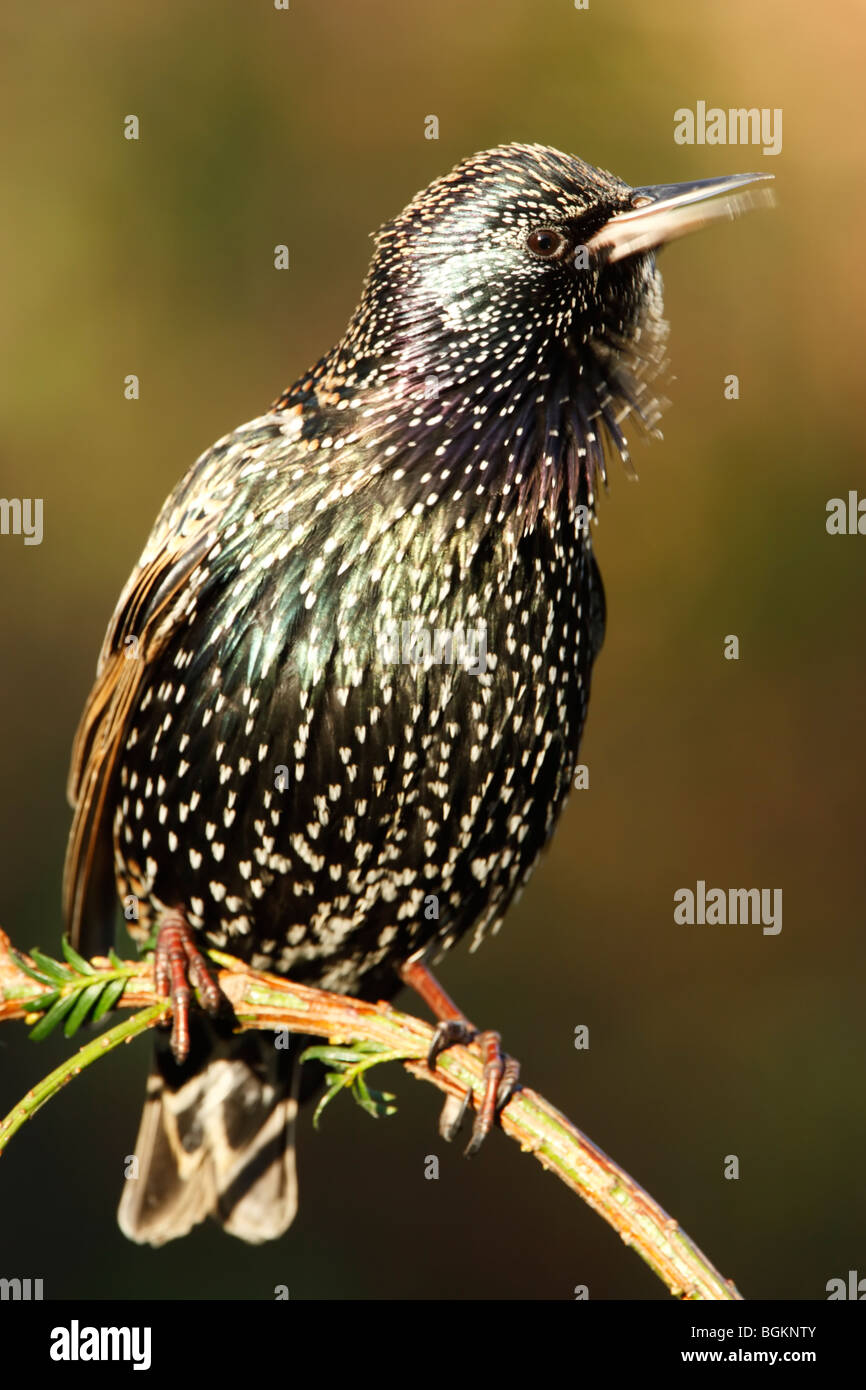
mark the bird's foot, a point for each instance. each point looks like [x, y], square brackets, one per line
[177, 965]
[501, 1075]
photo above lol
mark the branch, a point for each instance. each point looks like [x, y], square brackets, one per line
[45, 992]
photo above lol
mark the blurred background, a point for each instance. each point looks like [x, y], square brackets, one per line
[155, 257]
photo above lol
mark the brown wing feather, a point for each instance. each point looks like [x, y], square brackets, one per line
[157, 598]
[148, 611]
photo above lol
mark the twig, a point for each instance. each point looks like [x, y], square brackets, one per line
[263, 1001]
[90, 1052]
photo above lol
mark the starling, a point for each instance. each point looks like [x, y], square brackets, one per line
[338, 708]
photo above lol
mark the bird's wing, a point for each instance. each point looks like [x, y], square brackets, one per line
[149, 607]
[158, 596]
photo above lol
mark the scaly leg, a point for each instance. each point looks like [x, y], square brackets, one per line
[177, 964]
[501, 1073]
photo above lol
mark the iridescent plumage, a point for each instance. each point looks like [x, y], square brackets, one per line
[254, 752]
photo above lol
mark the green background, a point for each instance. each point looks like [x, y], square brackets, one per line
[307, 127]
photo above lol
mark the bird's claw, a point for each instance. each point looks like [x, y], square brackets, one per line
[177, 965]
[501, 1076]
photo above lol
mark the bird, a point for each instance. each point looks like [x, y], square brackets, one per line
[339, 705]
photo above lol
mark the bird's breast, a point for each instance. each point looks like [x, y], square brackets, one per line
[354, 750]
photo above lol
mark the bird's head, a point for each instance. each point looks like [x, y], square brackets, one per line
[518, 297]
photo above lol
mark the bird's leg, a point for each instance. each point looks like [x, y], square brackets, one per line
[177, 964]
[500, 1072]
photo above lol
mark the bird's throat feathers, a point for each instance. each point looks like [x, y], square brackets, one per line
[474, 435]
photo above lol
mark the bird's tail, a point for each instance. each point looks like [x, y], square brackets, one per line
[216, 1139]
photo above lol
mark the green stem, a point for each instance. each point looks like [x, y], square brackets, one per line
[90, 1052]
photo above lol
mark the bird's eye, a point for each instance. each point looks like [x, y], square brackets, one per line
[545, 243]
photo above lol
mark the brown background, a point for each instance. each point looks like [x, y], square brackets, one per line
[306, 127]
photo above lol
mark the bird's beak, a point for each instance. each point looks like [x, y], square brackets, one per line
[665, 211]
